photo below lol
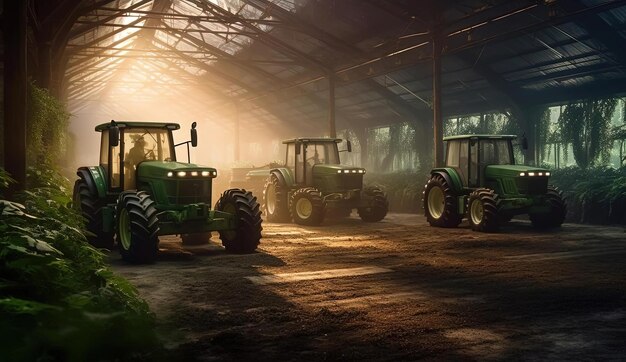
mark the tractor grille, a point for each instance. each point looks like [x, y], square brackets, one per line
[351, 181]
[534, 185]
[191, 191]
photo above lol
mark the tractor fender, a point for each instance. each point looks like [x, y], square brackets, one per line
[451, 177]
[94, 177]
[284, 176]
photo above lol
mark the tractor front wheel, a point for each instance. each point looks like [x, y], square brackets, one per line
[441, 203]
[553, 218]
[275, 200]
[483, 210]
[307, 206]
[246, 210]
[90, 207]
[378, 207]
[137, 227]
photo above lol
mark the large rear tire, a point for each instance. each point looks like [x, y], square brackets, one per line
[275, 200]
[307, 207]
[482, 210]
[90, 207]
[558, 209]
[244, 206]
[137, 227]
[440, 203]
[377, 209]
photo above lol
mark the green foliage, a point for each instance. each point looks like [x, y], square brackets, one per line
[58, 300]
[403, 189]
[595, 194]
[46, 130]
[587, 126]
[5, 180]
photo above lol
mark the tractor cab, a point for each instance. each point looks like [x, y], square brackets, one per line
[471, 155]
[305, 154]
[124, 146]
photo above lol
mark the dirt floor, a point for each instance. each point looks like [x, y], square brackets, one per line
[394, 290]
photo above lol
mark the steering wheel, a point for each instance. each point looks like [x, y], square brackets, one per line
[150, 155]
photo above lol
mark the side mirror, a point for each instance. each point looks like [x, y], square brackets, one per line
[194, 135]
[524, 142]
[298, 148]
[349, 145]
[114, 134]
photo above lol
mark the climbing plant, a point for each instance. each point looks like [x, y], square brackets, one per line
[586, 126]
[46, 130]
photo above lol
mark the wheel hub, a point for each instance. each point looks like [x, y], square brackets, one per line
[436, 202]
[304, 208]
[270, 199]
[124, 229]
[476, 212]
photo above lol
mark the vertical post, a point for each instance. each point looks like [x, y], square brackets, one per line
[331, 105]
[437, 116]
[237, 146]
[15, 92]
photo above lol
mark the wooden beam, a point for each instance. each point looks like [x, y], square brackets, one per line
[15, 92]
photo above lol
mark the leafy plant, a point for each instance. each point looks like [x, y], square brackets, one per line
[58, 299]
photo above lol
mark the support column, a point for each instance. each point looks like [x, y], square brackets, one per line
[331, 105]
[237, 140]
[437, 116]
[361, 134]
[15, 92]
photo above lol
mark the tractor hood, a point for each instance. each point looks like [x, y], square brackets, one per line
[166, 169]
[506, 171]
[324, 170]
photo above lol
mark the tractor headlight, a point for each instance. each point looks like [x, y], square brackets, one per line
[522, 174]
[531, 174]
[206, 173]
[547, 173]
[214, 173]
[170, 174]
[361, 171]
[346, 171]
[194, 173]
[181, 174]
[540, 173]
[338, 171]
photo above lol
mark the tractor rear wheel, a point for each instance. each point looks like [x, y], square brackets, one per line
[307, 206]
[441, 203]
[483, 210]
[555, 217]
[275, 200]
[90, 206]
[246, 210]
[378, 207]
[137, 227]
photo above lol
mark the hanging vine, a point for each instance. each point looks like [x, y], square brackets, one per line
[587, 126]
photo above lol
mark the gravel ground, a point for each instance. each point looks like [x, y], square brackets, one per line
[393, 290]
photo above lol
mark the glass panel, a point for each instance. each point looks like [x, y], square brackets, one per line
[495, 152]
[463, 160]
[300, 165]
[291, 159]
[473, 168]
[115, 166]
[144, 144]
[453, 154]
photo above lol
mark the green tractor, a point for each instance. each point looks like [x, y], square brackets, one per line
[313, 182]
[480, 181]
[138, 193]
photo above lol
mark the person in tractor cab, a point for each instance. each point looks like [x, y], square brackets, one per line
[135, 155]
